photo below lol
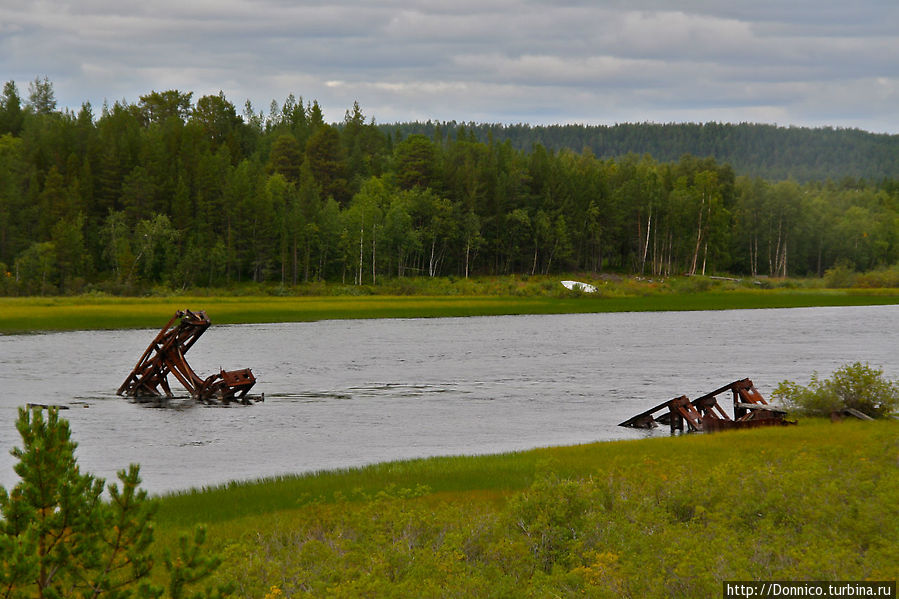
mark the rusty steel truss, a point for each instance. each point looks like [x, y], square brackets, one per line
[165, 355]
[705, 414]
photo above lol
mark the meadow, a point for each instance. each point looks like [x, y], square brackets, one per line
[660, 517]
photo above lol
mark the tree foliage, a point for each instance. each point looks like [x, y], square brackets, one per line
[756, 150]
[172, 192]
[11, 116]
[60, 538]
[41, 97]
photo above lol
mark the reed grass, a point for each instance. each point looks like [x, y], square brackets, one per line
[515, 471]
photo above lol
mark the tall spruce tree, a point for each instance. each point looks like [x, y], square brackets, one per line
[11, 115]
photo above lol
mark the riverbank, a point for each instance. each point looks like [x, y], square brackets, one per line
[658, 517]
[18, 315]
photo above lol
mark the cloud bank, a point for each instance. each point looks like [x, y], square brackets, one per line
[808, 63]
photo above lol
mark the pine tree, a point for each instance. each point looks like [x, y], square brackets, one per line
[58, 538]
[53, 510]
[11, 115]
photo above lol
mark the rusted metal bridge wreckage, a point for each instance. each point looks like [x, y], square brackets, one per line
[705, 414]
[165, 354]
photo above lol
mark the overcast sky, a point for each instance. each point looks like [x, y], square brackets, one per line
[789, 62]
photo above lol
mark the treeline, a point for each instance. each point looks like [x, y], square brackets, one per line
[183, 193]
[757, 150]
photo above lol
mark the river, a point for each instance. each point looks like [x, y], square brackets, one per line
[353, 392]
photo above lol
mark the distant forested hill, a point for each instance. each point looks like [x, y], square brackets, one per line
[181, 193]
[767, 151]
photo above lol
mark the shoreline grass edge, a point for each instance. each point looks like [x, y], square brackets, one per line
[36, 314]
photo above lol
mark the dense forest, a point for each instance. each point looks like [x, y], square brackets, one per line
[756, 150]
[174, 192]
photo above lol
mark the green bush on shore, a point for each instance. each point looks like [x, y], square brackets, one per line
[841, 276]
[855, 386]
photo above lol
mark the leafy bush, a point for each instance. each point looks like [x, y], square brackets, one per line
[855, 385]
[887, 277]
[550, 517]
[694, 284]
[841, 276]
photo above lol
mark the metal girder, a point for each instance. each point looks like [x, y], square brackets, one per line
[705, 413]
[165, 355]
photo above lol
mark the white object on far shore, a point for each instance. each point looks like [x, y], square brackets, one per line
[578, 286]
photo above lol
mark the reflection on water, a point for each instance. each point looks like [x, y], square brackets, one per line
[347, 393]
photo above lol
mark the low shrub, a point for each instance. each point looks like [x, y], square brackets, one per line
[841, 276]
[887, 277]
[660, 518]
[858, 386]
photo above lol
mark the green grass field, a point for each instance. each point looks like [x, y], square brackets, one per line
[86, 312]
[663, 517]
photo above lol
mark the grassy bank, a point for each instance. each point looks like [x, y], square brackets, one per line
[102, 312]
[651, 518]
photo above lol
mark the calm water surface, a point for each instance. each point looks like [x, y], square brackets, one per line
[348, 393]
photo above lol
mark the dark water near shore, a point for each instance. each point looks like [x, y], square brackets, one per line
[347, 393]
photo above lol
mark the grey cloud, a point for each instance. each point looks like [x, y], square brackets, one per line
[801, 62]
